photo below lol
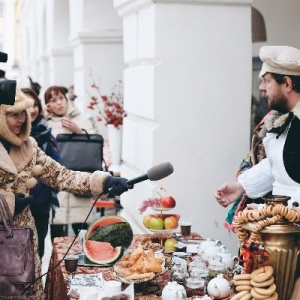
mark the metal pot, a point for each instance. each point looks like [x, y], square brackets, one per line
[282, 242]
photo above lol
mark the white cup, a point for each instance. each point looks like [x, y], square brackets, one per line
[88, 293]
[112, 287]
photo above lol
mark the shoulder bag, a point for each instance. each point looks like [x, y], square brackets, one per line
[81, 152]
[16, 249]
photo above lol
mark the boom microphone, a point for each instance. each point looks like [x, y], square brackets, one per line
[155, 173]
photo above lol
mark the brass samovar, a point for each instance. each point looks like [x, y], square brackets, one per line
[280, 240]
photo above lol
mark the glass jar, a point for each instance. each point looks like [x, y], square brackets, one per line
[216, 267]
[179, 275]
[194, 285]
[204, 275]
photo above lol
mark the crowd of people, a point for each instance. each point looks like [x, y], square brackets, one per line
[39, 190]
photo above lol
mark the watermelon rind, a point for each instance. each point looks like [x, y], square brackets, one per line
[118, 234]
[101, 222]
[101, 252]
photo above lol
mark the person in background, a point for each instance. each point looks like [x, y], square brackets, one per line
[44, 197]
[64, 117]
[257, 153]
[71, 93]
[23, 163]
[35, 86]
[279, 171]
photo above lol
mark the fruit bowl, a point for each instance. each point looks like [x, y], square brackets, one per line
[164, 216]
[161, 223]
[163, 230]
[158, 208]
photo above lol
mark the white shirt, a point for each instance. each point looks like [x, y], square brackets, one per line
[270, 174]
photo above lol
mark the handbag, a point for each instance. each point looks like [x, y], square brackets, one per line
[16, 249]
[81, 152]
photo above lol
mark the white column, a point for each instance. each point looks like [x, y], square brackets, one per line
[96, 38]
[187, 94]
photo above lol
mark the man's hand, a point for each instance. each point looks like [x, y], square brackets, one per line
[228, 193]
[21, 202]
[116, 185]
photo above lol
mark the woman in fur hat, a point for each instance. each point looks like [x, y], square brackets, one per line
[23, 163]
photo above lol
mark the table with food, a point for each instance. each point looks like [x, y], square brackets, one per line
[171, 262]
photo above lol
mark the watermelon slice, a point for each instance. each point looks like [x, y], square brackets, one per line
[101, 252]
[101, 222]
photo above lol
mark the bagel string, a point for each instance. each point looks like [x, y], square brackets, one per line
[268, 215]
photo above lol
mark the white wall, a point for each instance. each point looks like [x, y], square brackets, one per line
[186, 100]
[187, 74]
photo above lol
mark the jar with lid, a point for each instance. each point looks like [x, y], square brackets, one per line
[179, 275]
[196, 264]
[216, 267]
[204, 275]
[194, 285]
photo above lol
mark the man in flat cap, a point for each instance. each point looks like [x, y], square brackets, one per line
[279, 172]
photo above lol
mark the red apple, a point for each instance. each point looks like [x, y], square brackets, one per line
[170, 222]
[167, 202]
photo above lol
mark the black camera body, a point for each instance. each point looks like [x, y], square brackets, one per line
[7, 87]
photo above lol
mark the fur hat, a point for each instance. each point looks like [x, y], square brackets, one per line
[283, 60]
[22, 102]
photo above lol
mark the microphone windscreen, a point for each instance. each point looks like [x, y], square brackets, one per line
[160, 171]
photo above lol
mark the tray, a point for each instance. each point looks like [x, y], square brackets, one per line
[167, 266]
[83, 261]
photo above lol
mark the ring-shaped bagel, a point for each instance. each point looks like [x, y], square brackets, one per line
[247, 297]
[239, 295]
[240, 288]
[242, 282]
[257, 296]
[262, 274]
[242, 277]
[266, 291]
[263, 284]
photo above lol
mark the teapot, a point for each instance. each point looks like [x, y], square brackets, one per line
[210, 251]
[227, 259]
[218, 287]
[207, 243]
[173, 291]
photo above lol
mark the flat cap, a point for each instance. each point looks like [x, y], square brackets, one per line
[280, 60]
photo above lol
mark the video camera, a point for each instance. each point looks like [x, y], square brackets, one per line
[7, 87]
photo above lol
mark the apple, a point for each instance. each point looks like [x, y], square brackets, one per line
[167, 202]
[170, 222]
[169, 244]
[156, 223]
[146, 220]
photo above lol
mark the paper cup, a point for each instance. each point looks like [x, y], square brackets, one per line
[88, 293]
[112, 287]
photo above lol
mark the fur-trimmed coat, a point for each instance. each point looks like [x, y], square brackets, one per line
[20, 170]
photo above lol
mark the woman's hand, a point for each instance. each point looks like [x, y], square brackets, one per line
[228, 193]
[71, 126]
